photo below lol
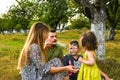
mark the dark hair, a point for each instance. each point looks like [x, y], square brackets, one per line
[52, 30]
[75, 43]
[89, 41]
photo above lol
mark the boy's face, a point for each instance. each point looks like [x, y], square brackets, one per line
[73, 50]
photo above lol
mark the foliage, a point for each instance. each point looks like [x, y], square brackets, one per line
[113, 16]
[79, 23]
[6, 24]
[18, 27]
[73, 9]
[53, 12]
[22, 13]
[112, 12]
[3, 25]
[118, 26]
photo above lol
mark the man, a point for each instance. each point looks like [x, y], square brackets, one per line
[53, 50]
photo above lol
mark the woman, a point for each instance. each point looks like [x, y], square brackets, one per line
[33, 59]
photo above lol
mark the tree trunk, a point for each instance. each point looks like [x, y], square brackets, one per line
[61, 27]
[98, 27]
[96, 13]
[111, 34]
[2, 31]
[25, 32]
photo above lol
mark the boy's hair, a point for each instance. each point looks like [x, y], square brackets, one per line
[75, 43]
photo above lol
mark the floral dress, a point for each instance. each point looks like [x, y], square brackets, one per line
[36, 70]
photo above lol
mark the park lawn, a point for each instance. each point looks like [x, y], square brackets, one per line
[11, 45]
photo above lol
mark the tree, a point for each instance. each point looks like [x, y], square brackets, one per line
[22, 13]
[57, 11]
[95, 11]
[79, 23]
[73, 9]
[113, 16]
[2, 25]
[6, 24]
[52, 12]
[10, 22]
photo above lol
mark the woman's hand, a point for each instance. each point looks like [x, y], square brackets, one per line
[71, 69]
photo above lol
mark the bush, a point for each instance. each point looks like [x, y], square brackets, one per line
[79, 24]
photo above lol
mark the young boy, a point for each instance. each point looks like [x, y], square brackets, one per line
[72, 58]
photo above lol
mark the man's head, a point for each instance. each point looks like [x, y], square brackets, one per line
[74, 47]
[52, 38]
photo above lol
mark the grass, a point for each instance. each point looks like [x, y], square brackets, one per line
[11, 45]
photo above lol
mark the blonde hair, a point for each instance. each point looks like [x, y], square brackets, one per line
[37, 34]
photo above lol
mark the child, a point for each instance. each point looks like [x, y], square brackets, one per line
[89, 69]
[72, 58]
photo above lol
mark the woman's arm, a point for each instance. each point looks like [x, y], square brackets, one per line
[59, 69]
[57, 66]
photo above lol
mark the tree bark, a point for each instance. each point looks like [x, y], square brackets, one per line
[96, 14]
[111, 34]
[98, 29]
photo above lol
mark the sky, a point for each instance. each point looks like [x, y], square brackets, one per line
[4, 5]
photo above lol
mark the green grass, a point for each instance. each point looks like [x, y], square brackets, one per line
[11, 45]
